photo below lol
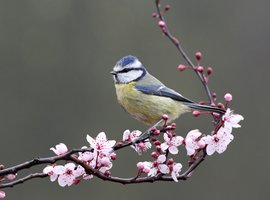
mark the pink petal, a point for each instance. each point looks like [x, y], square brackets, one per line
[190, 151]
[164, 169]
[173, 150]
[164, 146]
[91, 141]
[110, 143]
[177, 141]
[47, 169]
[53, 177]
[126, 135]
[166, 138]
[59, 169]
[70, 166]
[210, 149]
[62, 181]
[174, 176]
[101, 137]
[161, 159]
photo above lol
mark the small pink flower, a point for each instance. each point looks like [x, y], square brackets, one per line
[101, 143]
[158, 166]
[231, 120]
[2, 194]
[192, 141]
[144, 166]
[132, 136]
[176, 170]
[49, 170]
[66, 174]
[171, 143]
[218, 142]
[60, 149]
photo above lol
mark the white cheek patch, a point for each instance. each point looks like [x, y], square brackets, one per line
[129, 76]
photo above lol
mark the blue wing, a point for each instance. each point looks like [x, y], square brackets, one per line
[163, 91]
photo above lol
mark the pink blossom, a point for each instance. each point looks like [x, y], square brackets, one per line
[176, 170]
[171, 143]
[219, 141]
[60, 149]
[101, 143]
[2, 194]
[192, 141]
[66, 174]
[158, 166]
[49, 170]
[86, 156]
[132, 136]
[144, 166]
[231, 120]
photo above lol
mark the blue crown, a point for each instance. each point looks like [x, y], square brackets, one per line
[126, 60]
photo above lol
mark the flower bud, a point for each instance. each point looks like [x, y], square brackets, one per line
[113, 156]
[181, 67]
[200, 69]
[196, 113]
[165, 117]
[209, 70]
[201, 144]
[154, 155]
[161, 24]
[198, 55]
[157, 142]
[228, 97]
[140, 165]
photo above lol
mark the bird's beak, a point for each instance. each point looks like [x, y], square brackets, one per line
[113, 73]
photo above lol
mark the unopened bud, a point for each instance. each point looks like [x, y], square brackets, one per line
[181, 67]
[157, 142]
[140, 165]
[156, 132]
[154, 14]
[158, 148]
[113, 156]
[170, 161]
[220, 105]
[209, 70]
[107, 173]
[161, 24]
[167, 7]
[11, 177]
[198, 55]
[165, 117]
[228, 97]
[200, 69]
[196, 113]
[201, 144]
[214, 95]
[154, 155]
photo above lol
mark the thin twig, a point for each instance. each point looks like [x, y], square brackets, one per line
[182, 52]
[22, 180]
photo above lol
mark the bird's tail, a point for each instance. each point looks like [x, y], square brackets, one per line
[205, 108]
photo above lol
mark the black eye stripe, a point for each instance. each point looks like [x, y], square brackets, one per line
[125, 70]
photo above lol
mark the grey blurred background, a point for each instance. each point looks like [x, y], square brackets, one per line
[55, 59]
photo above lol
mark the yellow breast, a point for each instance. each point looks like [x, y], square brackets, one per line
[147, 108]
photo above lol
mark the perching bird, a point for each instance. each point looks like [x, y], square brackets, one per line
[145, 97]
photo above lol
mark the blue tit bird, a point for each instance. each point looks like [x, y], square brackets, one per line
[145, 98]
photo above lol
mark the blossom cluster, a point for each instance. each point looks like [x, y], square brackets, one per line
[193, 142]
[99, 158]
[100, 154]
